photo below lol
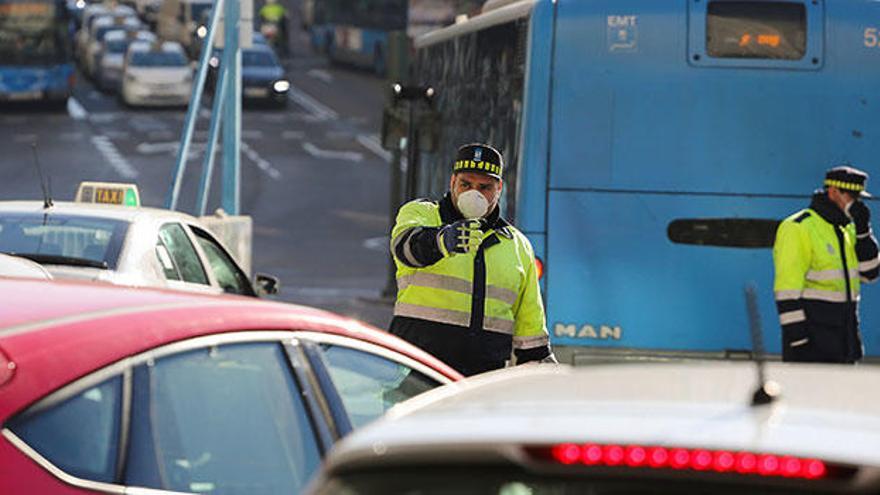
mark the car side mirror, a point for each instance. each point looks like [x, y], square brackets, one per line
[266, 285]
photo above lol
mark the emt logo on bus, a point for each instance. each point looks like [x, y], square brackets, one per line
[587, 331]
[623, 34]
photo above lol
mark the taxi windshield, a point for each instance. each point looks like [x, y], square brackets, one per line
[63, 239]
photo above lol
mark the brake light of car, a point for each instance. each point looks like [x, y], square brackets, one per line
[719, 461]
[539, 264]
[7, 369]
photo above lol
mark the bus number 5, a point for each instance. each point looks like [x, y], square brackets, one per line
[871, 37]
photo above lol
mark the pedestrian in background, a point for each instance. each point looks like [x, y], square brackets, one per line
[467, 281]
[821, 254]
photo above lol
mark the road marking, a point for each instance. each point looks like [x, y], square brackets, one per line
[352, 156]
[113, 134]
[372, 143]
[261, 162]
[103, 118]
[157, 135]
[250, 134]
[293, 135]
[112, 155]
[75, 110]
[25, 138]
[153, 148]
[321, 75]
[313, 106]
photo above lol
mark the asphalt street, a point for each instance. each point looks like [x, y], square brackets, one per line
[314, 177]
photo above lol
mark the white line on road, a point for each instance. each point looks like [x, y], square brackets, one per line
[321, 75]
[261, 162]
[112, 155]
[293, 135]
[352, 156]
[76, 111]
[313, 106]
[372, 143]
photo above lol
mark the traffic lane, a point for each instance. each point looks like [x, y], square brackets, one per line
[64, 149]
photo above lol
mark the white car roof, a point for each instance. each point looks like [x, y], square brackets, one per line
[15, 266]
[126, 213]
[166, 46]
[828, 412]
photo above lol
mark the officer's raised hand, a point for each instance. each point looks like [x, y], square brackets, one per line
[463, 236]
[860, 214]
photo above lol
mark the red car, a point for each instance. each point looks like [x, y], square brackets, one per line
[106, 389]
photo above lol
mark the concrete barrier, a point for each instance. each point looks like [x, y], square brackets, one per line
[236, 234]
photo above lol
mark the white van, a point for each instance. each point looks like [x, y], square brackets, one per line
[179, 20]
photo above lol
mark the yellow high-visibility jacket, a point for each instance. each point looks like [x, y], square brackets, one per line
[468, 309]
[819, 261]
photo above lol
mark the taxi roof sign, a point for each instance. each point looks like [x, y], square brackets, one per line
[112, 193]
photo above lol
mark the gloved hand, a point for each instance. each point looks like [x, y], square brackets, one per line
[462, 236]
[861, 216]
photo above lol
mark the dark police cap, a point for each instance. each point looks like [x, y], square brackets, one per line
[848, 179]
[481, 158]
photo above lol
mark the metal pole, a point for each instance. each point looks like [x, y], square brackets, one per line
[410, 153]
[208, 163]
[232, 114]
[195, 101]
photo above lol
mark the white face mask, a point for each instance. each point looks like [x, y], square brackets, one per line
[472, 204]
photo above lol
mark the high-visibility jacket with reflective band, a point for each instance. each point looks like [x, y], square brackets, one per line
[819, 264]
[810, 262]
[494, 289]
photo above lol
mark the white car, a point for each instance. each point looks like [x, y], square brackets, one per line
[91, 13]
[16, 266]
[124, 245]
[156, 74]
[109, 71]
[95, 44]
[679, 428]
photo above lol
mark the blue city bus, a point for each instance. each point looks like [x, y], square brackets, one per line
[652, 147]
[357, 32]
[35, 55]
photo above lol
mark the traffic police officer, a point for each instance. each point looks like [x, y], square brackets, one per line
[820, 254]
[467, 281]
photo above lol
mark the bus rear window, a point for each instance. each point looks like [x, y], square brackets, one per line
[724, 232]
[756, 30]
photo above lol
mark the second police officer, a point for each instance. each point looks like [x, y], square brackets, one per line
[821, 253]
[467, 281]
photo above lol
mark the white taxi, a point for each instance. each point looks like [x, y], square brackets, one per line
[683, 428]
[156, 74]
[106, 236]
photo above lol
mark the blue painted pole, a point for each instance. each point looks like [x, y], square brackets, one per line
[232, 113]
[192, 111]
[213, 132]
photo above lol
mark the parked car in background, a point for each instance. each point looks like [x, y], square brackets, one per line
[91, 13]
[108, 74]
[124, 244]
[95, 44]
[683, 428]
[119, 390]
[156, 74]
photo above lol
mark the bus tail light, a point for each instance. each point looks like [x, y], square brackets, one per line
[684, 459]
[539, 264]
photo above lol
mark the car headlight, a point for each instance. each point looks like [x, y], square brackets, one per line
[202, 31]
[80, 4]
[281, 86]
[214, 62]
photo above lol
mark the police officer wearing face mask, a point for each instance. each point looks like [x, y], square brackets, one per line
[467, 284]
[821, 254]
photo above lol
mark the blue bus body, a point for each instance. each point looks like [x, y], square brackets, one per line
[654, 148]
[35, 56]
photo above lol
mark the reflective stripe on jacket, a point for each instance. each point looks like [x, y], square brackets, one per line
[494, 289]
